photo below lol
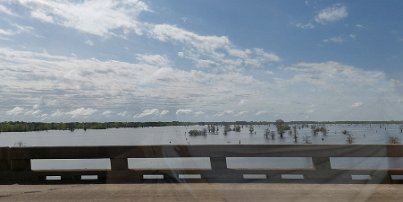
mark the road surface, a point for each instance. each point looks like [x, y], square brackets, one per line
[202, 192]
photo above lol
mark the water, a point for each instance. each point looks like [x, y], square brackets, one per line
[178, 135]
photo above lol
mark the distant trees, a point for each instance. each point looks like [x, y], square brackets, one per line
[18, 126]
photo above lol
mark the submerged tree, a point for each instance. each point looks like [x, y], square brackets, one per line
[307, 139]
[349, 137]
[251, 129]
[393, 140]
[227, 128]
[281, 127]
[316, 130]
[267, 133]
[211, 128]
[198, 132]
[237, 128]
[273, 135]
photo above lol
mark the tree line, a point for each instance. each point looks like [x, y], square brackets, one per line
[19, 126]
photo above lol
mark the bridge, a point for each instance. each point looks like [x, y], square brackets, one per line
[319, 164]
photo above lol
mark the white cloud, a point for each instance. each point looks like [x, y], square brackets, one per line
[263, 55]
[72, 82]
[15, 29]
[107, 113]
[353, 36]
[334, 40]
[57, 113]
[7, 11]
[124, 113]
[89, 42]
[147, 112]
[261, 112]
[211, 51]
[327, 72]
[15, 111]
[103, 18]
[81, 112]
[331, 14]
[241, 113]
[226, 112]
[308, 25]
[166, 32]
[357, 104]
[33, 112]
[164, 112]
[360, 26]
[198, 113]
[241, 102]
[120, 18]
[183, 111]
[156, 60]
[40, 15]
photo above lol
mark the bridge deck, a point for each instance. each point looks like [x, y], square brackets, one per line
[202, 192]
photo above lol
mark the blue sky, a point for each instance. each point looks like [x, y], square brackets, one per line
[201, 60]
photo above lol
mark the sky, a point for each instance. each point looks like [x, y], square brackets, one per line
[200, 60]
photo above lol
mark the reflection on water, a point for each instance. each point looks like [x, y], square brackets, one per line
[179, 135]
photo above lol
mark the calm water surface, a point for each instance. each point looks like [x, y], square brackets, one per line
[362, 134]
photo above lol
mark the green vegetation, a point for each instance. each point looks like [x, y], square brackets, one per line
[349, 137]
[237, 128]
[316, 130]
[227, 128]
[212, 128]
[251, 129]
[281, 127]
[394, 140]
[39, 126]
[198, 132]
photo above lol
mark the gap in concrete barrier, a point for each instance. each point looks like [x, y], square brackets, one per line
[270, 163]
[292, 176]
[396, 177]
[366, 163]
[53, 178]
[361, 177]
[176, 163]
[189, 176]
[153, 177]
[254, 176]
[89, 177]
[70, 164]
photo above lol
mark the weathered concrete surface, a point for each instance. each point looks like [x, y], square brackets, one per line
[202, 192]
